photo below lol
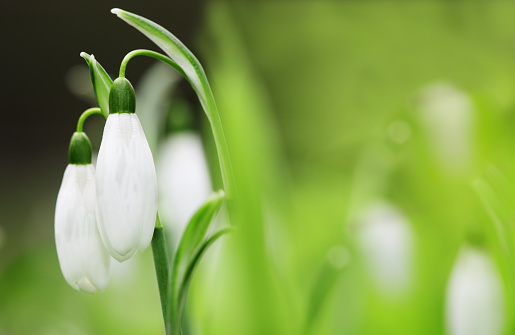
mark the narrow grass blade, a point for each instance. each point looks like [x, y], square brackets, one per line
[192, 265]
[194, 235]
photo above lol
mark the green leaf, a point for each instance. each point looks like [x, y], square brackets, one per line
[324, 281]
[101, 82]
[197, 78]
[197, 227]
[194, 234]
[497, 195]
[193, 263]
[191, 247]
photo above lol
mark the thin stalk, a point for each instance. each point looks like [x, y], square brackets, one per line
[87, 113]
[219, 138]
[148, 53]
[162, 270]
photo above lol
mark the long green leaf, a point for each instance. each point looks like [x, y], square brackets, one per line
[102, 82]
[194, 234]
[195, 74]
[324, 281]
[193, 263]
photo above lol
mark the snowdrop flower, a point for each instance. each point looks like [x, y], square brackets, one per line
[385, 239]
[183, 173]
[447, 115]
[474, 301]
[82, 256]
[126, 178]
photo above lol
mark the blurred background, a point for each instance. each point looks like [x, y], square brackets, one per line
[372, 144]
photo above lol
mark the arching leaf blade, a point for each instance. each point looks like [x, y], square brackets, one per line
[194, 235]
[172, 46]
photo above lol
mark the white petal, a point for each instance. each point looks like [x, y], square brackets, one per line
[185, 181]
[474, 304]
[83, 258]
[126, 187]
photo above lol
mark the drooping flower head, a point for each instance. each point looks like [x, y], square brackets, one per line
[126, 178]
[475, 298]
[82, 256]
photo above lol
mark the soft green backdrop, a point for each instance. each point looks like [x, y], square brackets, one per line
[310, 94]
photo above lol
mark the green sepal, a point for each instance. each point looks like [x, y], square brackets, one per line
[101, 82]
[122, 98]
[80, 151]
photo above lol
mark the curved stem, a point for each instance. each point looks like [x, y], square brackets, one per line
[148, 53]
[87, 113]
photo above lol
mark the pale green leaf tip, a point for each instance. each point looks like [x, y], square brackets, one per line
[217, 196]
[84, 55]
[116, 11]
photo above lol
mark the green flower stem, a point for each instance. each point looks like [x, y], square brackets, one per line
[162, 270]
[87, 113]
[148, 53]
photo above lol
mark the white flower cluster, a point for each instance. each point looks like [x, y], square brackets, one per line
[112, 214]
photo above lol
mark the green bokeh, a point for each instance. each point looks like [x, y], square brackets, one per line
[312, 96]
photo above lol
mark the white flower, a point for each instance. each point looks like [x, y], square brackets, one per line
[183, 173]
[447, 115]
[474, 302]
[126, 187]
[83, 258]
[386, 241]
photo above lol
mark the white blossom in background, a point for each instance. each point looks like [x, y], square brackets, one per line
[82, 256]
[126, 187]
[474, 301]
[386, 242]
[184, 182]
[447, 115]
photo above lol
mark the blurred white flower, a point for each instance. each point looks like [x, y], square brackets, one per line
[126, 187]
[474, 301]
[184, 181]
[385, 239]
[448, 117]
[83, 258]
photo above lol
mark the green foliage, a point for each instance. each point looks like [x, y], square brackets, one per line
[101, 82]
[194, 243]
